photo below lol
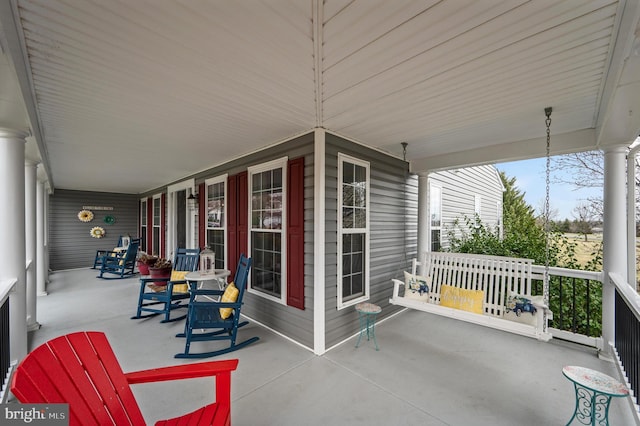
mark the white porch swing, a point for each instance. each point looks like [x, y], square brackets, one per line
[493, 291]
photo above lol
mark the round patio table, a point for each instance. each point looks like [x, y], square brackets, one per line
[593, 394]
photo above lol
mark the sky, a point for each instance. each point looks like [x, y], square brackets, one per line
[530, 180]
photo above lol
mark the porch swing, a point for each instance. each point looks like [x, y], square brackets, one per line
[494, 291]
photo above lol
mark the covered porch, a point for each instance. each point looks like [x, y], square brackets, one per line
[92, 90]
[430, 370]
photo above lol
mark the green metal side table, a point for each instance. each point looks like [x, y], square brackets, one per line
[367, 313]
[593, 394]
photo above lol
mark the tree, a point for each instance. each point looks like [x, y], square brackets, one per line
[583, 213]
[523, 235]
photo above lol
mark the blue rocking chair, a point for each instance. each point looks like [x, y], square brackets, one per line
[119, 263]
[206, 315]
[162, 299]
[101, 253]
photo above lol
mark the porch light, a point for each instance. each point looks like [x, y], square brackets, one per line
[192, 201]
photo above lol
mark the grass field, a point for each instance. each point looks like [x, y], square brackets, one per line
[585, 249]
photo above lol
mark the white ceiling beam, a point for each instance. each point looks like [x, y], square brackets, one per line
[581, 140]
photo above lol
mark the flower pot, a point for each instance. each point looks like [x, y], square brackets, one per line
[160, 273]
[143, 268]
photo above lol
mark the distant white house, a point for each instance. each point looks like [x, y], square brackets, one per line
[456, 194]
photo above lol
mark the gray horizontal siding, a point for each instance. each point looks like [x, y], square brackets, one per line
[70, 244]
[393, 232]
[292, 322]
[459, 188]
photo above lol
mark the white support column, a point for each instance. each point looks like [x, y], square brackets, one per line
[30, 183]
[614, 236]
[41, 264]
[423, 214]
[12, 249]
[319, 286]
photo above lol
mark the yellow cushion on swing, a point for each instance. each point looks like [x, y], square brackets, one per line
[460, 298]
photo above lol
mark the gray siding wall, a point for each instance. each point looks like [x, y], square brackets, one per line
[70, 244]
[291, 322]
[393, 232]
[459, 188]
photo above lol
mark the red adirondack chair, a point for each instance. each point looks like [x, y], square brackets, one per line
[81, 369]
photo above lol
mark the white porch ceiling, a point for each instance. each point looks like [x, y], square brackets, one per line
[126, 96]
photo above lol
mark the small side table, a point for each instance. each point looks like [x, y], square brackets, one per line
[197, 279]
[367, 313]
[593, 394]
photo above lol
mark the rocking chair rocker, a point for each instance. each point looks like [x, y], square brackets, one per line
[222, 316]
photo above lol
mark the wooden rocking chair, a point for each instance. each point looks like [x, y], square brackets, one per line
[81, 369]
[222, 316]
[167, 296]
[97, 261]
[120, 263]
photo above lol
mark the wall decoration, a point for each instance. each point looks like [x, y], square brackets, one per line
[97, 232]
[85, 215]
[109, 220]
[97, 208]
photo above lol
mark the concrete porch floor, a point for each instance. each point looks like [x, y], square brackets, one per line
[430, 370]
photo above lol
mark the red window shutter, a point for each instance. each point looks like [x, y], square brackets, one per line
[163, 222]
[149, 223]
[232, 223]
[243, 214]
[202, 215]
[237, 229]
[295, 233]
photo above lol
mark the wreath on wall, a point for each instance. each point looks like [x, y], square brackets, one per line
[97, 232]
[85, 215]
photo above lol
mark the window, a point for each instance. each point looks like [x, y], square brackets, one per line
[157, 216]
[143, 224]
[435, 209]
[216, 218]
[353, 231]
[267, 192]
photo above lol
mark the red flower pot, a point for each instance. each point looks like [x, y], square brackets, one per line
[143, 268]
[160, 273]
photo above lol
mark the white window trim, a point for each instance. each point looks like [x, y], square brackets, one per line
[187, 185]
[342, 158]
[270, 165]
[143, 217]
[161, 235]
[212, 181]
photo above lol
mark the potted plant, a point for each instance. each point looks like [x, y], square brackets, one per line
[145, 261]
[161, 269]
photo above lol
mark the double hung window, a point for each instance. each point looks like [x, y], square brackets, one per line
[435, 210]
[216, 218]
[267, 191]
[353, 230]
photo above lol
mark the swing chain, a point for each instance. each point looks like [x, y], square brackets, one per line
[547, 210]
